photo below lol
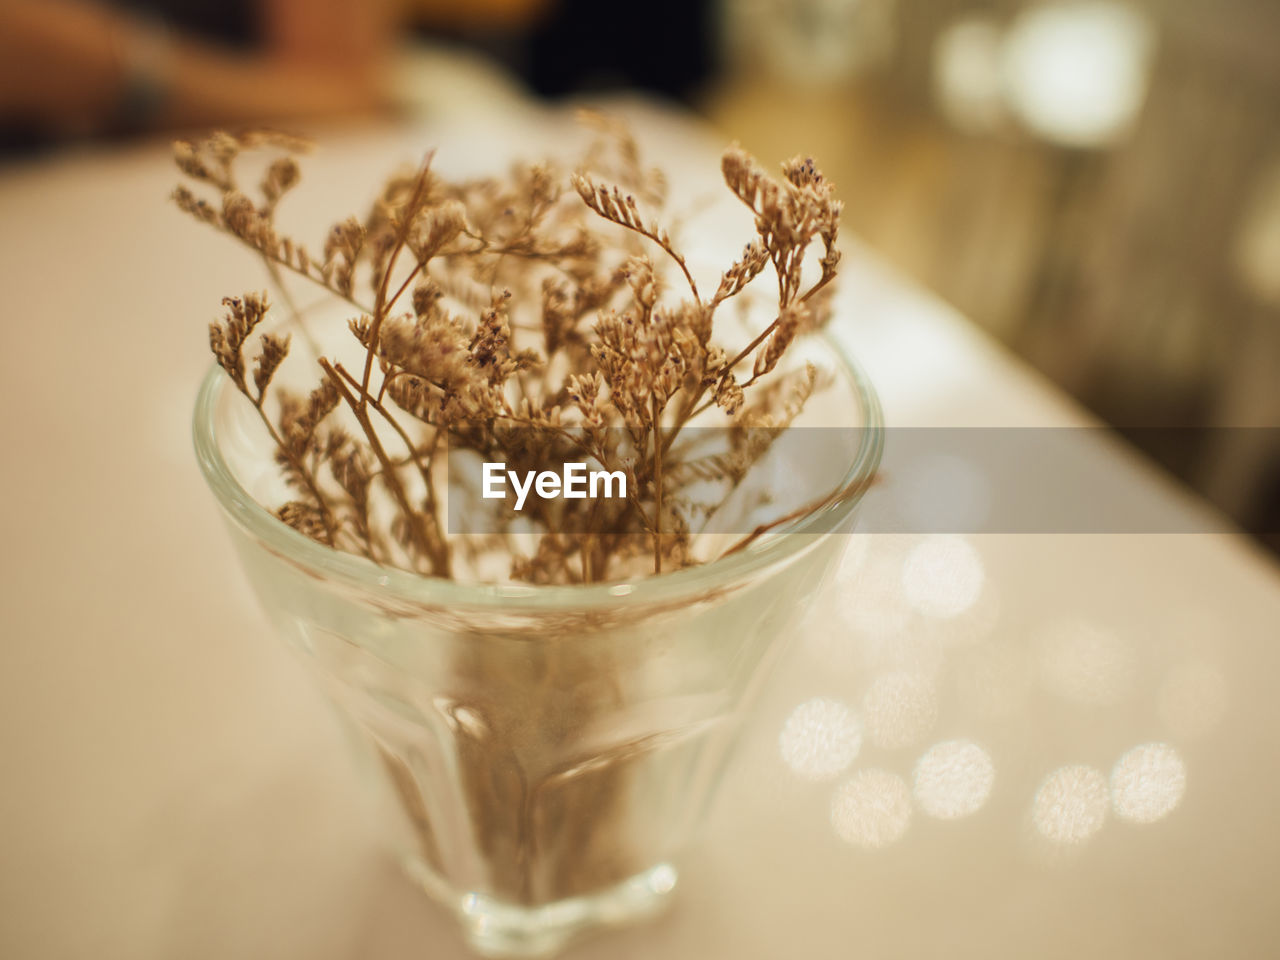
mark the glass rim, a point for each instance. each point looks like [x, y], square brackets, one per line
[363, 573]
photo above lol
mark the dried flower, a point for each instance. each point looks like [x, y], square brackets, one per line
[507, 318]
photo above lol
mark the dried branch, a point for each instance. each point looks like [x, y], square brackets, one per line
[617, 367]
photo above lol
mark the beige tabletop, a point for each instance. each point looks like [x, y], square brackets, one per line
[992, 746]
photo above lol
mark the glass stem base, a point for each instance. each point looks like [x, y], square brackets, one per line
[497, 929]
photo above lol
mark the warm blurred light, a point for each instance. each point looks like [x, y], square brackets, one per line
[1071, 805]
[953, 779]
[1085, 662]
[938, 492]
[942, 576]
[820, 739]
[808, 42]
[1076, 72]
[966, 74]
[1193, 698]
[1257, 254]
[1147, 783]
[899, 709]
[871, 809]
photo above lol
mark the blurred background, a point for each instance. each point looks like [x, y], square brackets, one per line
[1094, 183]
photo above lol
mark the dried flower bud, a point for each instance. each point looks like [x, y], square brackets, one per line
[273, 351]
[188, 160]
[304, 518]
[435, 228]
[195, 206]
[801, 172]
[747, 268]
[558, 314]
[643, 282]
[239, 214]
[729, 396]
[789, 321]
[280, 177]
[426, 297]
[612, 204]
[490, 346]
[222, 146]
[227, 338]
[345, 240]
[621, 365]
[362, 329]
[746, 178]
[299, 422]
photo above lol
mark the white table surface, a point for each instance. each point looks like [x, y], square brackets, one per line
[173, 786]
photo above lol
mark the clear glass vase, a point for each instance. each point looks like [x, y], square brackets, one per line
[553, 747]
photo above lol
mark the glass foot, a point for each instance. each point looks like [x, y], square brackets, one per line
[497, 929]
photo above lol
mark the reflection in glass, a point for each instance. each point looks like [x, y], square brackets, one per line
[871, 809]
[1147, 783]
[953, 779]
[820, 739]
[1071, 805]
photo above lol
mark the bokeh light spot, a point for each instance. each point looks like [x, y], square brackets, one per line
[966, 73]
[820, 739]
[942, 577]
[953, 779]
[899, 709]
[1076, 71]
[1147, 783]
[871, 809]
[1071, 805]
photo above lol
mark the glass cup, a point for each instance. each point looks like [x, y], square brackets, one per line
[553, 747]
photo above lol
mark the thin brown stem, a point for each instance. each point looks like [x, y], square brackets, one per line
[380, 307]
[856, 488]
[657, 486]
[413, 519]
[750, 348]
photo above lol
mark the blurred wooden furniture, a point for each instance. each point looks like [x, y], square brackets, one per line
[1116, 271]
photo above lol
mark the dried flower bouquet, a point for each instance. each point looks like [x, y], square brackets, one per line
[523, 320]
[533, 320]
